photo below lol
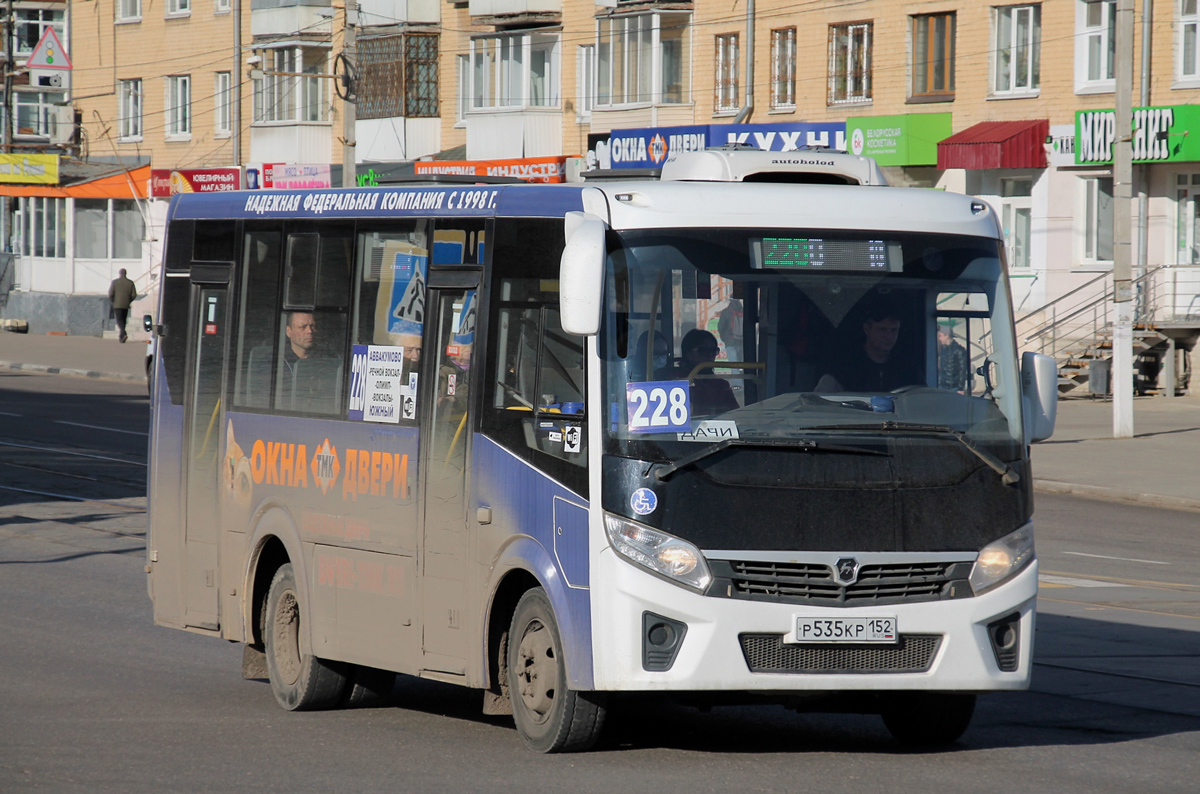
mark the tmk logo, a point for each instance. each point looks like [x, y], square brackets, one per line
[846, 570]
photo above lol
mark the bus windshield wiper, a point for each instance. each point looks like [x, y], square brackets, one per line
[665, 471]
[1007, 473]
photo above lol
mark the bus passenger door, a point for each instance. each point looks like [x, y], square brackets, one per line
[445, 547]
[201, 581]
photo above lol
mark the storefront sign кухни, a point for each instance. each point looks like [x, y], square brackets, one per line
[1160, 135]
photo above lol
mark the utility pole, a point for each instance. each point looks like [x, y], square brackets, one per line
[10, 66]
[1122, 361]
[349, 114]
[235, 84]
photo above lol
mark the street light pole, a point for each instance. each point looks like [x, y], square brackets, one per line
[1122, 340]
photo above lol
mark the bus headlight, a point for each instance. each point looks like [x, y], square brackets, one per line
[1002, 559]
[663, 554]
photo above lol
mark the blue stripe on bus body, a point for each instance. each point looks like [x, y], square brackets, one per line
[541, 201]
[523, 502]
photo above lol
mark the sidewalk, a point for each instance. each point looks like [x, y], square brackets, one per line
[1160, 466]
[86, 356]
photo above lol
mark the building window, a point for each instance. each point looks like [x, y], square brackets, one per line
[933, 55]
[32, 24]
[129, 95]
[220, 6]
[179, 105]
[1018, 45]
[624, 58]
[1098, 219]
[1016, 211]
[783, 69]
[1189, 23]
[1096, 44]
[585, 81]
[222, 104]
[514, 70]
[179, 7]
[850, 63]
[129, 10]
[99, 221]
[725, 89]
[399, 76]
[43, 227]
[464, 86]
[285, 93]
[37, 112]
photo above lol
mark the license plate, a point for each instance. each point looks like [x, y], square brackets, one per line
[846, 630]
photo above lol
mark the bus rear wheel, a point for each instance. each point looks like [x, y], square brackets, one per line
[928, 719]
[300, 681]
[550, 717]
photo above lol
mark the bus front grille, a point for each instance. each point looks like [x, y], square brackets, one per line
[767, 653]
[814, 583]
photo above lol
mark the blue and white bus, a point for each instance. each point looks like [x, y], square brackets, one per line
[757, 427]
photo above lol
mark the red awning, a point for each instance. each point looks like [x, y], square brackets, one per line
[996, 144]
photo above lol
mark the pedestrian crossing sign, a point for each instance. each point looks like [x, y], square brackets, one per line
[49, 53]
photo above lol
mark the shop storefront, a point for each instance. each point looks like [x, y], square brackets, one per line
[70, 230]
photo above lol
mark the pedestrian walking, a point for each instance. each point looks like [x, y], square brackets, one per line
[122, 293]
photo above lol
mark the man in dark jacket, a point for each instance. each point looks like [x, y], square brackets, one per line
[122, 293]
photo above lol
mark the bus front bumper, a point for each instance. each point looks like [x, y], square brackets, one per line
[724, 637]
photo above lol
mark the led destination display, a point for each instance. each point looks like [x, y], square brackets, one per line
[817, 252]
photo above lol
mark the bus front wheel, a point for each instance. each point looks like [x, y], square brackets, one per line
[550, 717]
[928, 718]
[300, 681]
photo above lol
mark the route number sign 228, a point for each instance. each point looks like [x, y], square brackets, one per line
[659, 406]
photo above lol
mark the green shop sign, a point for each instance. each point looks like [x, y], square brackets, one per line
[1160, 135]
[910, 139]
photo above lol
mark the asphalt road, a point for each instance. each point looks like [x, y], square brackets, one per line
[94, 698]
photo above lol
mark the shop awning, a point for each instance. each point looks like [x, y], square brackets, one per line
[89, 180]
[996, 144]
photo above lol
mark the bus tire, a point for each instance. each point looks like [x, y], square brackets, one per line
[924, 719]
[550, 717]
[300, 681]
[369, 687]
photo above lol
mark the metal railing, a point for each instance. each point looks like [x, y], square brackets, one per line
[1077, 321]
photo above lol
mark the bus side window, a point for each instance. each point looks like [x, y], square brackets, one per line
[535, 392]
[312, 341]
[389, 301]
[256, 329]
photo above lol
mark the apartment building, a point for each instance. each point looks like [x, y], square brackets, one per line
[1009, 101]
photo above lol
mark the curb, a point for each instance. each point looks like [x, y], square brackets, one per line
[1115, 495]
[78, 373]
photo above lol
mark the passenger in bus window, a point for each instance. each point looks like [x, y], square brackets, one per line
[301, 333]
[953, 368]
[310, 382]
[660, 361]
[874, 366]
[710, 395]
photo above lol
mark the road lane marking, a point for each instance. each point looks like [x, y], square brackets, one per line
[72, 498]
[6, 413]
[1122, 559]
[69, 452]
[98, 427]
[1146, 583]
[1099, 608]
[1072, 581]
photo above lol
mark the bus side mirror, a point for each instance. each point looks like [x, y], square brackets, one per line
[147, 322]
[1039, 395]
[581, 274]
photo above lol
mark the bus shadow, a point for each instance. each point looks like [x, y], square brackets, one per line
[1095, 682]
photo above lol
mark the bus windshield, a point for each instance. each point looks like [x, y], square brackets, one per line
[772, 337]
